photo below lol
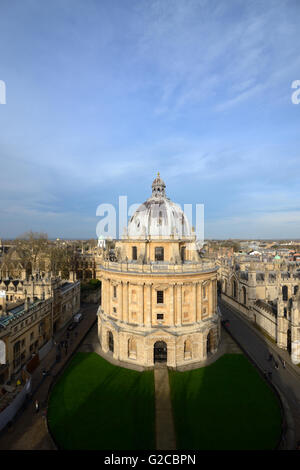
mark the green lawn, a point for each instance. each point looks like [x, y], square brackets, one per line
[96, 405]
[226, 405]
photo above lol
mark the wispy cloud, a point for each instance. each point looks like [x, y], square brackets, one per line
[102, 95]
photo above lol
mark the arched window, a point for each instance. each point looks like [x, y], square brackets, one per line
[296, 289]
[234, 289]
[211, 342]
[244, 295]
[284, 293]
[187, 349]
[110, 342]
[132, 349]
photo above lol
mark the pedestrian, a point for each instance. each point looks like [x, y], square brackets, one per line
[283, 363]
[37, 406]
[276, 365]
[270, 375]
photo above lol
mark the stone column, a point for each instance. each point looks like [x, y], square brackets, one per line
[121, 300]
[148, 305]
[194, 308]
[172, 306]
[141, 304]
[199, 301]
[210, 299]
[106, 296]
[179, 304]
[125, 302]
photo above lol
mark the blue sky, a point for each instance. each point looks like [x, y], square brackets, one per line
[100, 95]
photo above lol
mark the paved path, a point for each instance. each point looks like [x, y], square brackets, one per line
[29, 429]
[287, 380]
[165, 432]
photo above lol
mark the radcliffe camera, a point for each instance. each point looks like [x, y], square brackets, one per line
[149, 229]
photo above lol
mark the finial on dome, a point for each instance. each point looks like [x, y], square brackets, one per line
[158, 187]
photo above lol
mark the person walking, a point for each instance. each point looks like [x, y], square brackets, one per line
[37, 406]
[283, 363]
[270, 375]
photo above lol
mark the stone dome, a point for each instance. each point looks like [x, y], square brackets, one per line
[159, 217]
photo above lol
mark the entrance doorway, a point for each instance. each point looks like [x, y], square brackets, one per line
[160, 351]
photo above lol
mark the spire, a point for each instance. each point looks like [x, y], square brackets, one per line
[158, 187]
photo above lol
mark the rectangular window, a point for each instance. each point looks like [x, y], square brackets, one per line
[159, 253]
[134, 253]
[115, 291]
[160, 316]
[160, 296]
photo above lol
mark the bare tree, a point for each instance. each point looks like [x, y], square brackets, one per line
[33, 247]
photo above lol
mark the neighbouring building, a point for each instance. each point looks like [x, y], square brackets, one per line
[43, 305]
[267, 294]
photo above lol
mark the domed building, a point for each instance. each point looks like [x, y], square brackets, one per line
[159, 298]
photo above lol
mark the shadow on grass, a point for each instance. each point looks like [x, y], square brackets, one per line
[96, 405]
[226, 405]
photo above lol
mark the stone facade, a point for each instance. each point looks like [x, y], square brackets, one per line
[159, 299]
[268, 295]
[47, 305]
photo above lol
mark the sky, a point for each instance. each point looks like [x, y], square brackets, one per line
[101, 95]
